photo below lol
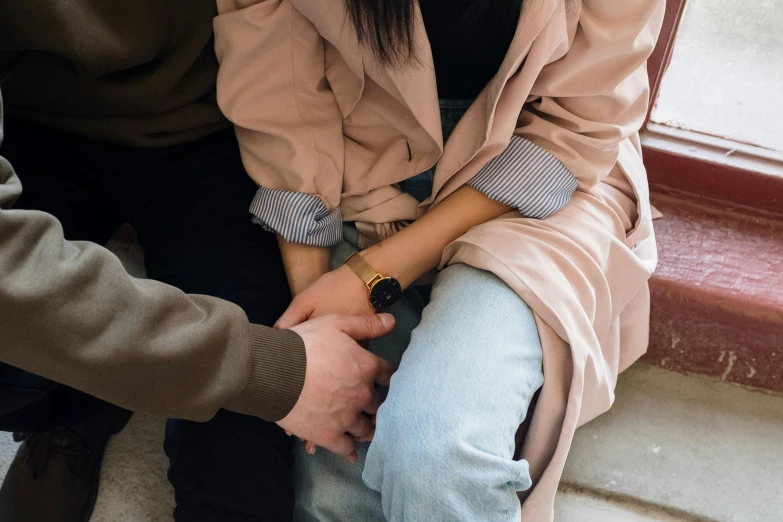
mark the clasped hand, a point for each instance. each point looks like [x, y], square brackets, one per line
[339, 292]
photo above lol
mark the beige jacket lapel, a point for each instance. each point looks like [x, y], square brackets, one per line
[474, 130]
[414, 86]
[343, 55]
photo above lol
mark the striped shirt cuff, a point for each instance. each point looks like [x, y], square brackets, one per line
[298, 217]
[528, 178]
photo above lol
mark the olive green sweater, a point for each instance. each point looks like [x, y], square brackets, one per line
[139, 73]
[135, 72]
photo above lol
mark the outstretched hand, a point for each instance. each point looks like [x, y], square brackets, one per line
[337, 292]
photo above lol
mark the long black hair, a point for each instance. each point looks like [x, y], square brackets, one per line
[387, 25]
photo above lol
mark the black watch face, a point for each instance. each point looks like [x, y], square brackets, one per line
[385, 293]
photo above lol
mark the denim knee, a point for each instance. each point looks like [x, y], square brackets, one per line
[427, 467]
[408, 455]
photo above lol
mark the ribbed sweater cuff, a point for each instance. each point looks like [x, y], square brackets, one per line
[277, 375]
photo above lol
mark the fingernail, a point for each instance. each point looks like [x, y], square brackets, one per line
[387, 319]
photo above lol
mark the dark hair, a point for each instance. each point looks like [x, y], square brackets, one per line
[387, 25]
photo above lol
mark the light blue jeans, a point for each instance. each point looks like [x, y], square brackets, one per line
[469, 361]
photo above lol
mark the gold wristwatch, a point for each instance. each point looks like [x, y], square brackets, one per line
[384, 291]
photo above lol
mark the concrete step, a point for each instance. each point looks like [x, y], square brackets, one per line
[717, 308]
[673, 449]
[573, 505]
[694, 447]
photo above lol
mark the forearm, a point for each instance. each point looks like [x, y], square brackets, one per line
[303, 264]
[418, 248]
[406, 256]
[70, 312]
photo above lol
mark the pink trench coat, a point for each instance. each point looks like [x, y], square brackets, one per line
[316, 112]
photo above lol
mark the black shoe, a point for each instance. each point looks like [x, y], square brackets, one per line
[54, 477]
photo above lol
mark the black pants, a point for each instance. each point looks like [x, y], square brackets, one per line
[189, 204]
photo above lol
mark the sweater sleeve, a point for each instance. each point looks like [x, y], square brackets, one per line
[70, 312]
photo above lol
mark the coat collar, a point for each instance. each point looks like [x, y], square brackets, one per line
[415, 86]
[475, 128]
[331, 20]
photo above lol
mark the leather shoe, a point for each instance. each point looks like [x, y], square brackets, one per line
[54, 477]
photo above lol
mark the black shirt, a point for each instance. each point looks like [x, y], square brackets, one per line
[469, 42]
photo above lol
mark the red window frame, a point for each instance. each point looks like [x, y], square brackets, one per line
[700, 164]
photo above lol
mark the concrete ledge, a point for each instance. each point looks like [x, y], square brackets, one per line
[580, 505]
[686, 447]
[717, 297]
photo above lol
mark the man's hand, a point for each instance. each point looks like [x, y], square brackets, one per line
[339, 390]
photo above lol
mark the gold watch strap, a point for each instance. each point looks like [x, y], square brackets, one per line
[362, 268]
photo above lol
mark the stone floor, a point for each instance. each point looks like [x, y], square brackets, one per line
[688, 445]
[574, 506]
[674, 448]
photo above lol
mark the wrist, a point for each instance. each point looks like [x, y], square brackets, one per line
[384, 290]
[303, 264]
[418, 248]
[405, 265]
[278, 364]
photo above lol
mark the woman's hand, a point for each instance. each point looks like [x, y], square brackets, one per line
[339, 291]
[406, 256]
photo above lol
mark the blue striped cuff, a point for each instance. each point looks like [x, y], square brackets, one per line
[298, 217]
[528, 178]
